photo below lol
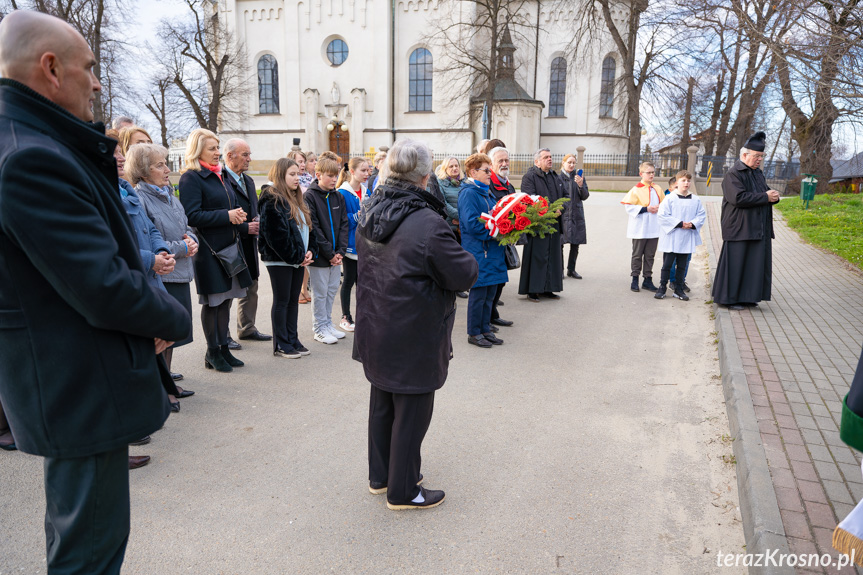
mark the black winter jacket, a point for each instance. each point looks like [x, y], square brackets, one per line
[207, 202]
[326, 208]
[574, 228]
[410, 266]
[747, 213]
[247, 200]
[280, 238]
[77, 315]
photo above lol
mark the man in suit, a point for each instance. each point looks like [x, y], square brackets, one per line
[80, 326]
[238, 155]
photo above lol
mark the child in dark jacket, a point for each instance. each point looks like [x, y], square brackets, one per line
[331, 230]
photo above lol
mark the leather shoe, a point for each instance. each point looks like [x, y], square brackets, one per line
[433, 498]
[574, 274]
[378, 487]
[503, 322]
[8, 447]
[551, 295]
[233, 345]
[493, 329]
[175, 407]
[532, 297]
[177, 376]
[493, 339]
[500, 302]
[136, 461]
[736, 306]
[478, 340]
[184, 394]
[257, 336]
[142, 441]
[461, 294]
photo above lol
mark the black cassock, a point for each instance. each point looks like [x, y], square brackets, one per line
[744, 272]
[542, 258]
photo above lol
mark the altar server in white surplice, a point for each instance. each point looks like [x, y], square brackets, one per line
[681, 216]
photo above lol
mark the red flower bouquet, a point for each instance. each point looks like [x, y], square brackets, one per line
[517, 214]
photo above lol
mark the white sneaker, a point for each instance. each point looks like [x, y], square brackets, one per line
[325, 337]
[346, 324]
[334, 332]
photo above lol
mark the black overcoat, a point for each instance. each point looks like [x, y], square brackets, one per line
[207, 201]
[77, 314]
[747, 213]
[542, 258]
[574, 228]
[410, 266]
[247, 200]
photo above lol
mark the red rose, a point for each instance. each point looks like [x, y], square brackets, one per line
[519, 208]
[495, 211]
[521, 222]
[543, 201]
[527, 201]
[542, 211]
[504, 227]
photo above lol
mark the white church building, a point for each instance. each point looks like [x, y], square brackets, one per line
[353, 75]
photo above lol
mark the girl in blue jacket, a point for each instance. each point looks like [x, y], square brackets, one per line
[352, 185]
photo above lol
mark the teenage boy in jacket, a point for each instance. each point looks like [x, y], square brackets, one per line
[330, 226]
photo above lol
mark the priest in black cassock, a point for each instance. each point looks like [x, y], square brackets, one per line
[744, 273]
[542, 259]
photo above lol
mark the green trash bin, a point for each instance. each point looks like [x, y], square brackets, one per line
[807, 189]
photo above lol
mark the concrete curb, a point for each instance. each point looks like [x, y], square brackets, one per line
[762, 523]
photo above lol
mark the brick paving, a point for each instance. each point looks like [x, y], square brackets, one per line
[799, 353]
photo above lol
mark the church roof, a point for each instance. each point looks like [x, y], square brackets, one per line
[508, 90]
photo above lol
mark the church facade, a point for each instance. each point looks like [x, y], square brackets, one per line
[353, 75]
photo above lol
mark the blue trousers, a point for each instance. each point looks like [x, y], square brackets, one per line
[673, 276]
[479, 309]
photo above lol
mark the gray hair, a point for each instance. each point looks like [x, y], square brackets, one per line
[234, 143]
[409, 160]
[539, 152]
[482, 143]
[121, 121]
[139, 159]
[494, 151]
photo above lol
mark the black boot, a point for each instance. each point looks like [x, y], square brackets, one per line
[232, 361]
[634, 286]
[648, 284]
[214, 360]
[660, 293]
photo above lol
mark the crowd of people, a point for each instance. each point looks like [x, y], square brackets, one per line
[98, 267]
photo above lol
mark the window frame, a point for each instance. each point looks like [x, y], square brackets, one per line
[557, 88]
[268, 66]
[420, 80]
[332, 54]
[606, 87]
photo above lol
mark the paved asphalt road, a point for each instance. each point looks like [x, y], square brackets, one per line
[592, 441]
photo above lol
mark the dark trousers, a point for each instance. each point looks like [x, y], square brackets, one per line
[673, 277]
[87, 513]
[643, 253]
[667, 260]
[397, 426]
[497, 294]
[287, 282]
[214, 320]
[479, 309]
[573, 255]
[349, 267]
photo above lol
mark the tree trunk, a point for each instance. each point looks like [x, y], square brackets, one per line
[687, 117]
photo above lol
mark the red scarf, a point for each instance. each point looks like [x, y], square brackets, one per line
[217, 169]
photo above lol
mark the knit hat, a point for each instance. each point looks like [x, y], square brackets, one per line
[756, 142]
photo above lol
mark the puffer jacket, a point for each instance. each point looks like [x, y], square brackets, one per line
[410, 266]
[167, 214]
[450, 193]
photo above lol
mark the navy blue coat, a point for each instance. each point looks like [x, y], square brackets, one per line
[475, 238]
[77, 315]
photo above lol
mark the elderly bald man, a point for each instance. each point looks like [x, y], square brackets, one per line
[238, 156]
[80, 326]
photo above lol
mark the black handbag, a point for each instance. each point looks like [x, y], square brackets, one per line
[510, 254]
[230, 257]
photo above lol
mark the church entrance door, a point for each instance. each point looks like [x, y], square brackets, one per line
[340, 143]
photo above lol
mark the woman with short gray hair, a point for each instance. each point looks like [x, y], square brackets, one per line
[147, 169]
[411, 265]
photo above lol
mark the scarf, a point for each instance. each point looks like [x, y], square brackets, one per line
[455, 182]
[217, 169]
[480, 185]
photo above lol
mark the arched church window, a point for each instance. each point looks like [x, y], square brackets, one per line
[606, 90]
[268, 85]
[420, 81]
[557, 91]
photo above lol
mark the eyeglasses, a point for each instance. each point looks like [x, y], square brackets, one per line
[486, 170]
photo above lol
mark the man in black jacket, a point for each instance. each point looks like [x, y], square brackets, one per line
[80, 326]
[238, 155]
[542, 260]
[745, 269]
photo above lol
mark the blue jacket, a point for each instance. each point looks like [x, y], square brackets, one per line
[450, 194]
[352, 209]
[149, 239]
[473, 201]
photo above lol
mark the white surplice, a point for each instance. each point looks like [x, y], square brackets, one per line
[674, 210]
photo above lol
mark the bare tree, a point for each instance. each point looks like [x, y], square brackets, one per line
[470, 34]
[208, 66]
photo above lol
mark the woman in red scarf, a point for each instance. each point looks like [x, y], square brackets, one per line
[213, 211]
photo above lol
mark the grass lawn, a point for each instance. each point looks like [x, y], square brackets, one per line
[833, 222]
